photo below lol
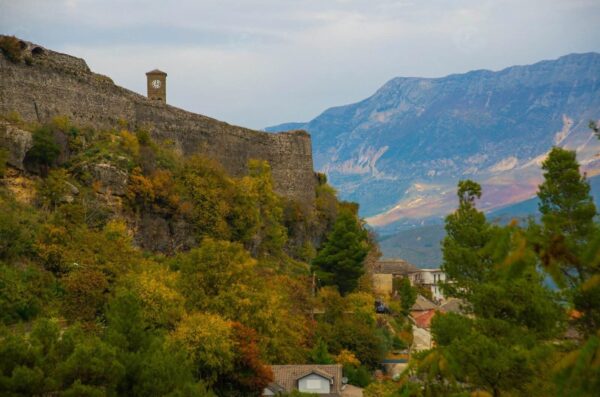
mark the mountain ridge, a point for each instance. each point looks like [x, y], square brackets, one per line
[400, 151]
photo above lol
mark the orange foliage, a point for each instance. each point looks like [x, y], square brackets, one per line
[250, 374]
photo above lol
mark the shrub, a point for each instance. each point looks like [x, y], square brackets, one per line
[45, 150]
[11, 47]
[3, 160]
[18, 300]
[85, 294]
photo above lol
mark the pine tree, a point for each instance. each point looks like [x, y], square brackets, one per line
[567, 217]
[340, 261]
[467, 233]
[569, 240]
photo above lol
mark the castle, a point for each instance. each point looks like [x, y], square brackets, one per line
[51, 84]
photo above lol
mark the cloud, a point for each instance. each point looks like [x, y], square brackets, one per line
[261, 62]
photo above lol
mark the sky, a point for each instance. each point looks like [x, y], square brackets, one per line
[258, 63]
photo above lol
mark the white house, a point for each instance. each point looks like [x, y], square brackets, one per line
[431, 279]
[314, 379]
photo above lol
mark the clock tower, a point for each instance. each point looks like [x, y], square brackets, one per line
[157, 85]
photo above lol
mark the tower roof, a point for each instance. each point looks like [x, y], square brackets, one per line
[156, 71]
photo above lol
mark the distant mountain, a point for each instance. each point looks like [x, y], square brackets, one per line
[400, 152]
[421, 245]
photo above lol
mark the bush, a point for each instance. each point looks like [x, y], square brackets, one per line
[45, 150]
[358, 376]
[17, 230]
[3, 160]
[398, 344]
[18, 300]
[11, 47]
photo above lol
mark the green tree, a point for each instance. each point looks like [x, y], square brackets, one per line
[340, 261]
[45, 150]
[407, 294]
[568, 213]
[465, 261]
[507, 342]
[320, 354]
[18, 228]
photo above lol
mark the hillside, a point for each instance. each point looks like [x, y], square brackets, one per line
[129, 269]
[133, 266]
[400, 152]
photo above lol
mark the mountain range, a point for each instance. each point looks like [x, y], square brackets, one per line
[400, 152]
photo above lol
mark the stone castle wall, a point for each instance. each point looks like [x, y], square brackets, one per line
[51, 84]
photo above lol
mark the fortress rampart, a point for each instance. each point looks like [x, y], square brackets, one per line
[50, 84]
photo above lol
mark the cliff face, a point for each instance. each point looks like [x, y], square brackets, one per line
[51, 84]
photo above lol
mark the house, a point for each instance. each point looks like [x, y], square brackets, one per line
[422, 311]
[423, 319]
[453, 305]
[325, 380]
[385, 270]
[422, 304]
[430, 279]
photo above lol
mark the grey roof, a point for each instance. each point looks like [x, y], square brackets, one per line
[422, 304]
[453, 305]
[156, 71]
[287, 376]
[275, 388]
[394, 266]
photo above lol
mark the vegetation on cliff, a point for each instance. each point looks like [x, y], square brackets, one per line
[135, 271]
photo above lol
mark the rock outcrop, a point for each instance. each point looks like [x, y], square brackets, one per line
[18, 143]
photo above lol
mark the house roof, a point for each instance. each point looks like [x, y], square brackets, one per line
[156, 71]
[275, 388]
[393, 266]
[426, 271]
[287, 376]
[422, 304]
[453, 305]
[423, 319]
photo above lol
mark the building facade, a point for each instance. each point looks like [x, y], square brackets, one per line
[431, 279]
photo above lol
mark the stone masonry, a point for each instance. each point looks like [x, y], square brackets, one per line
[51, 84]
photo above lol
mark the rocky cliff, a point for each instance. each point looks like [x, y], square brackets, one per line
[47, 84]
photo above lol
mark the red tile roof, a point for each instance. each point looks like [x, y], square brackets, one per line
[423, 319]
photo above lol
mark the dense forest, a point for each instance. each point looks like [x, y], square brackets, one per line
[97, 299]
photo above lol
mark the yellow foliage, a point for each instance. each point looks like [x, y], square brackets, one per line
[61, 122]
[591, 283]
[140, 189]
[346, 357]
[480, 393]
[362, 304]
[163, 305]
[207, 340]
[130, 143]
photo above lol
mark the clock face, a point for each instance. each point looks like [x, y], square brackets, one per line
[156, 83]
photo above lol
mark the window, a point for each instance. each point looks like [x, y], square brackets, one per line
[313, 384]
